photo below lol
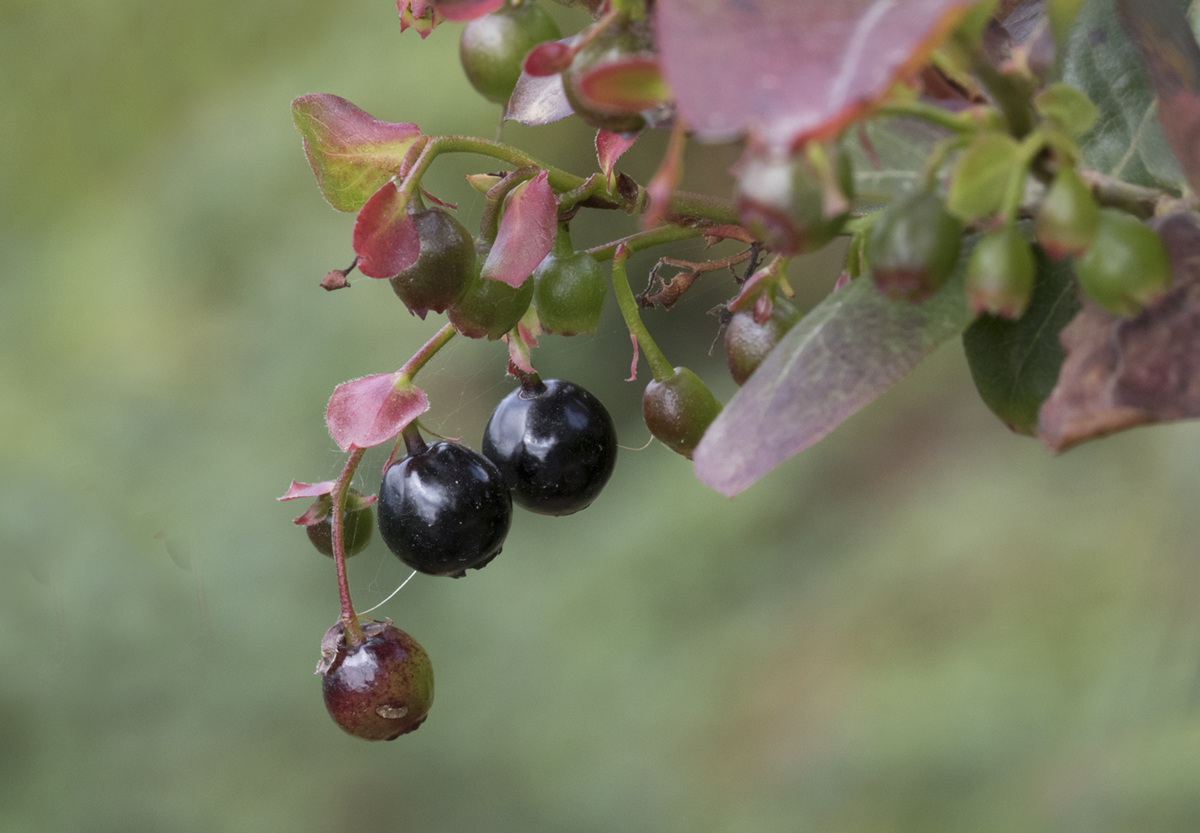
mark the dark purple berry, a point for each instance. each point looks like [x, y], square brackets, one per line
[554, 444]
[380, 689]
[443, 509]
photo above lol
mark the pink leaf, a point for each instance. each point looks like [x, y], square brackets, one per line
[385, 237]
[351, 152]
[369, 411]
[299, 490]
[789, 70]
[538, 101]
[463, 10]
[549, 58]
[610, 146]
[526, 235]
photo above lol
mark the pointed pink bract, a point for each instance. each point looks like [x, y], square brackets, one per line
[526, 234]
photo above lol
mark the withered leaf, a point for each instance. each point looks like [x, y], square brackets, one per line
[1120, 373]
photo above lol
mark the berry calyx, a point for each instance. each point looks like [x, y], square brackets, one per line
[444, 267]
[796, 205]
[747, 342]
[493, 47]
[569, 290]
[678, 410]
[357, 523]
[379, 689]
[554, 444]
[1068, 216]
[489, 308]
[1126, 266]
[620, 46]
[913, 247]
[1000, 273]
[444, 508]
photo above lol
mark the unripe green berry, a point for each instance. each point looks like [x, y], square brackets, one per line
[913, 247]
[678, 410]
[444, 267]
[1126, 266]
[493, 47]
[489, 308]
[1000, 273]
[747, 342]
[357, 522]
[569, 289]
[1068, 216]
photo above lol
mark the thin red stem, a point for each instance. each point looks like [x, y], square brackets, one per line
[354, 634]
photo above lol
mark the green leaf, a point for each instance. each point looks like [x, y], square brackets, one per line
[852, 347]
[352, 154]
[889, 157]
[1067, 107]
[981, 175]
[1127, 141]
[1015, 364]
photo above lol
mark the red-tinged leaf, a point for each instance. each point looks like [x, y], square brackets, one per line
[790, 70]
[852, 347]
[526, 234]
[1123, 372]
[1163, 37]
[299, 490]
[610, 146]
[418, 15]
[537, 101]
[626, 86]
[369, 411]
[549, 58]
[385, 237]
[461, 11]
[351, 152]
[666, 179]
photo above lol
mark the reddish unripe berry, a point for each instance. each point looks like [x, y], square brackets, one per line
[678, 410]
[380, 689]
[747, 342]
[444, 267]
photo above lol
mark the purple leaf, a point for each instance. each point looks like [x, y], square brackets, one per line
[369, 411]
[385, 236]
[1171, 56]
[851, 348]
[789, 70]
[351, 152]
[537, 101]
[526, 235]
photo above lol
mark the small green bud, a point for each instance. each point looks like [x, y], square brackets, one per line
[1068, 217]
[913, 247]
[1127, 265]
[1000, 273]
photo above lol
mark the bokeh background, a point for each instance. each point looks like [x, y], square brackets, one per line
[922, 624]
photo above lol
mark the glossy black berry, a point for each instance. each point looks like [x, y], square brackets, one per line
[380, 689]
[443, 509]
[443, 269]
[554, 444]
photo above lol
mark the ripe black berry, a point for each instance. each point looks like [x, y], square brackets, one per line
[444, 508]
[380, 689]
[554, 444]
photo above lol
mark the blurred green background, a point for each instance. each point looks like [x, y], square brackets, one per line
[922, 624]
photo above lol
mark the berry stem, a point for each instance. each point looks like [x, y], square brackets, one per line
[354, 634]
[427, 352]
[1014, 192]
[965, 122]
[645, 240]
[659, 366]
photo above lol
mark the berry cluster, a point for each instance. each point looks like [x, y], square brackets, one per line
[1005, 173]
